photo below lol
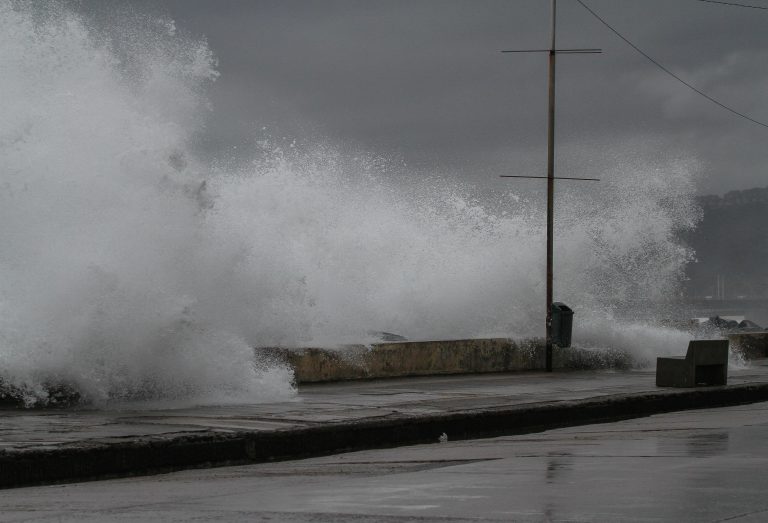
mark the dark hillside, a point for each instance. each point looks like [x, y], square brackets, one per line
[731, 242]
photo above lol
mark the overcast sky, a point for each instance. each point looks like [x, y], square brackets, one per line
[422, 81]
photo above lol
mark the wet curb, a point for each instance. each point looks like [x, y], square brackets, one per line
[165, 453]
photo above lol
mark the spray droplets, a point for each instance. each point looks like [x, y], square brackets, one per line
[133, 269]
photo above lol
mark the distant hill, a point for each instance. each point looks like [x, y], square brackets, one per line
[731, 242]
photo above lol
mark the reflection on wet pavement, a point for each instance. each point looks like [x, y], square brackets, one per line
[694, 466]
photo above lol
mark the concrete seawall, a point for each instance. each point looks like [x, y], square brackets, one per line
[423, 358]
[474, 356]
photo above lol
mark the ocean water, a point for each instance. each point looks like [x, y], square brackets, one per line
[134, 267]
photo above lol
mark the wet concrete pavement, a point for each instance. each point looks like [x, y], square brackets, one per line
[331, 403]
[703, 466]
[63, 445]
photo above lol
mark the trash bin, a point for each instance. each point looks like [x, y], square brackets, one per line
[562, 324]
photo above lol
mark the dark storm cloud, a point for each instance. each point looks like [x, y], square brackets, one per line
[423, 80]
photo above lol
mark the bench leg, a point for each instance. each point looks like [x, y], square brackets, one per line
[673, 372]
[711, 374]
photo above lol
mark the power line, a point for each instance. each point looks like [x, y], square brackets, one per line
[547, 177]
[670, 73]
[733, 4]
[556, 51]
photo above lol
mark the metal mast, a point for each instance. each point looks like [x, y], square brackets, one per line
[550, 181]
[552, 51]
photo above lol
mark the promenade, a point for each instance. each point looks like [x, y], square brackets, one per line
[48, 446]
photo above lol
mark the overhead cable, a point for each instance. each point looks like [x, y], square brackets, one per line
[734, 4]
[670, 73]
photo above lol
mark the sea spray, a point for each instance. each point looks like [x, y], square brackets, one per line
[104, 235]
[131, 268]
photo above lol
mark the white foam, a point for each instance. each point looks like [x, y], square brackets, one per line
[131, 269]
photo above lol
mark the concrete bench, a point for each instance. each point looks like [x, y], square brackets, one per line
[705, 363]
